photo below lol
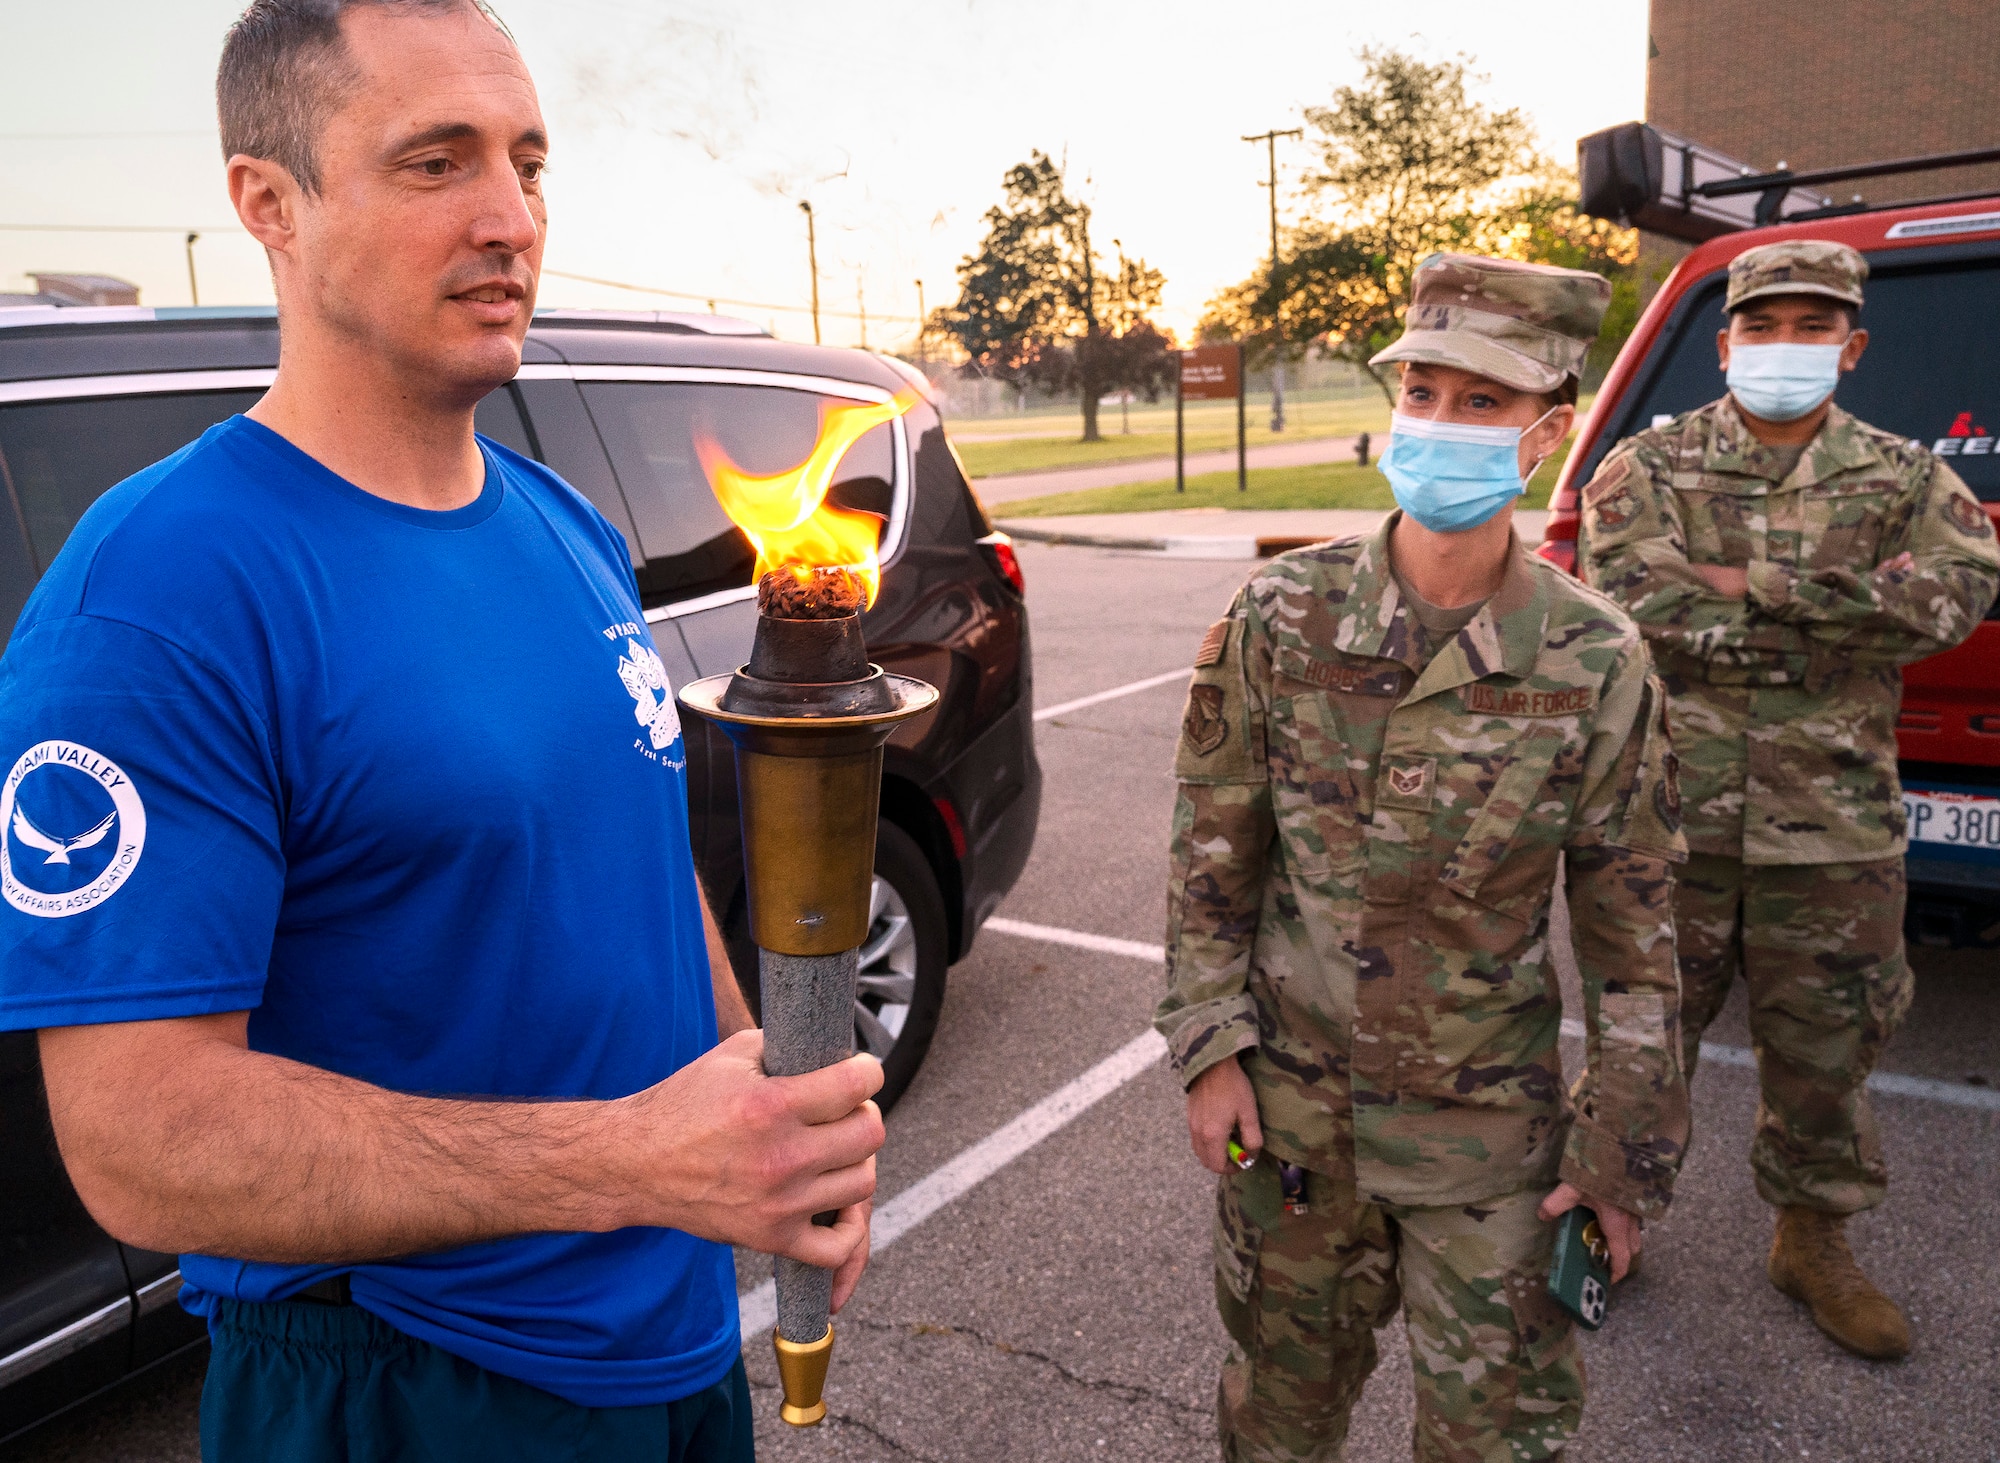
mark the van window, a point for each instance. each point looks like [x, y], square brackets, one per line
[689, 544]
[498, 417]
[61, 455]
[1930, 371]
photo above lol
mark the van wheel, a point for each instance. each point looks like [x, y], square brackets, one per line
[899, 990]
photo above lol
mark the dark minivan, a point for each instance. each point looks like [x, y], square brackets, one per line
[90, 396]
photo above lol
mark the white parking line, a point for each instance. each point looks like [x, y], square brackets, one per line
[1895, 1084]
[910, 1208]
[1102, 944]
[1112, 695]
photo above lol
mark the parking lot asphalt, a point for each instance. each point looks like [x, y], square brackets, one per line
[1062, 1306]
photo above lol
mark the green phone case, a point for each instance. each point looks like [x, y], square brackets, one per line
[1580, 1271]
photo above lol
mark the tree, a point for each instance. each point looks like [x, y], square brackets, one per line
[1409, 163]
[1037, 306]
[1551, 228]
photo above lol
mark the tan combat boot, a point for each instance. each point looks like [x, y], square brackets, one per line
[1810, 1262]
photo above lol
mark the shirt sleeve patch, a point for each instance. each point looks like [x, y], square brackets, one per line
[1967, 516]
[1609, 478]
[1204, 726]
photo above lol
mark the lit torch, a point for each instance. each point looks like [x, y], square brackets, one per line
[808, 716]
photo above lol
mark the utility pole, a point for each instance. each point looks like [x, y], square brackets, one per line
[861, 304]
[1125, 388]
[923, 323]
[194, 289]
[812, 262]
[1270, 141]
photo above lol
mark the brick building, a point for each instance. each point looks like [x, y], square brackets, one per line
[1819, 83]
[1829, 82]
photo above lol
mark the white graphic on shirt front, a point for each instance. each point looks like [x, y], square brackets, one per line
[645, 677]
[72, 828]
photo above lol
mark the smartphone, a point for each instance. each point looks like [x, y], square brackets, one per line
[1580, 1271]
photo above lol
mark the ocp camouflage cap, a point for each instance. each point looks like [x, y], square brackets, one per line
[1796, 267]
[1527, 326]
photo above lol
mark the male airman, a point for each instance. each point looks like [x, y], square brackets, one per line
[1785, 561]
[1392, 745]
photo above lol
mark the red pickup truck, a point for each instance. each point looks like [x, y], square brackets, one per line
[1931, 371]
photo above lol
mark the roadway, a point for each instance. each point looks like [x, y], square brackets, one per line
[1042, 1283]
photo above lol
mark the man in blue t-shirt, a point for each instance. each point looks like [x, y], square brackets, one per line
[344, 865]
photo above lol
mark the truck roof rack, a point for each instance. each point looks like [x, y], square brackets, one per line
[1636, 174]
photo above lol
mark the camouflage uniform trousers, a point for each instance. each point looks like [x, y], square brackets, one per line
[1499, 1374]
[1820, 948]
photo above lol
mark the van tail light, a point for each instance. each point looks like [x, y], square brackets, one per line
[954, 826]
[1000, 554]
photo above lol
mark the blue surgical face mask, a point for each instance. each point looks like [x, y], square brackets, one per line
[1781, 383]
[1451, 477]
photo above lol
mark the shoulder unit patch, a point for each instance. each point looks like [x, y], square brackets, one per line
[1204, 726]
[1967, 516]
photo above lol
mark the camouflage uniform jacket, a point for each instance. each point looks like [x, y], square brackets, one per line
[1783, 704]
[1363, 859]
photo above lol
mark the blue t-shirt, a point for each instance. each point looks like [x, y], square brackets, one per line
[410, 788]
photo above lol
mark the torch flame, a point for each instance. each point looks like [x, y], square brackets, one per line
[785, 515]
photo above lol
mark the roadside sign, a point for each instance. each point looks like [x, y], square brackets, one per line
[1211, 372]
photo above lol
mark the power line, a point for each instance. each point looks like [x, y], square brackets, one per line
[117, 228]
[104, 136]
[647, 289]
[616, 284]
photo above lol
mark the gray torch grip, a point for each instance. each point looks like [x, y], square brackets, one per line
[808, 1011]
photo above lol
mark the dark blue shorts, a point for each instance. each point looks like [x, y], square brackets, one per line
[309, 1383]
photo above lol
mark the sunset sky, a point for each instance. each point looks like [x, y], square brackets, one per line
[686, 133]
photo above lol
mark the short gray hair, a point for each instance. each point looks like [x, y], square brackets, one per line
[286, 70]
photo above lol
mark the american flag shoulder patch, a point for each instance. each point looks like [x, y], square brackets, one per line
[1212, 645]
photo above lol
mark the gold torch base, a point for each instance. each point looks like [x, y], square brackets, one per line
[802, 1373]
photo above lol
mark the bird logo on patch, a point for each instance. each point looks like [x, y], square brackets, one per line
[59, 849]
[47, 870]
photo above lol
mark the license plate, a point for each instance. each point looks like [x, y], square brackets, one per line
[1955, 819]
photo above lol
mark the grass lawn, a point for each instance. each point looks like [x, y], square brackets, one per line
[1211, 426]
[1065, 419]
[1319, 485]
